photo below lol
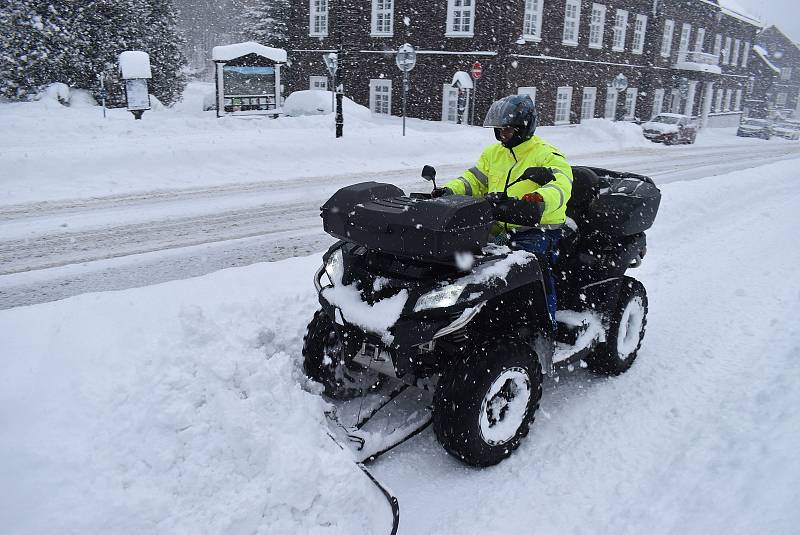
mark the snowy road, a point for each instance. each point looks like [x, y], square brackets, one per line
[51, 250]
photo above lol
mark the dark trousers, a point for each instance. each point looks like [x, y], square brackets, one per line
[544, 244]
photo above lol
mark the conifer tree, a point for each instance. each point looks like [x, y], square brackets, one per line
[165, 45]
[267, 23]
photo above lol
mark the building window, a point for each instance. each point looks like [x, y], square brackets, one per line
[319, 83]
[658, 101]
[572, 21]
[532, 23]
[611, 103]
[597, 26]
[587, 103]
[717, 46]
[735, 57]
[745, 54]
[630, 103]
[683, 47]
[786, 73]
[382, 18]
[666, 41]
[530, 91]
[728, 98]
[675, 101]
[563, 105]
[738, 105]
[460, 16]
[726, 53]
[718, 104]
[318, 18]
[780, 100]
[700, 40]
[639, 29]
[380, 96]
[620, 28]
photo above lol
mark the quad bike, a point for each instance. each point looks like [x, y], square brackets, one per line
[423, 319]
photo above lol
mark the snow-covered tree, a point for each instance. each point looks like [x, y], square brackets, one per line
[267, 22]
[165, 45]
[34, 39]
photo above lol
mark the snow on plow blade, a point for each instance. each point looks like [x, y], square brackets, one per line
[373, 424]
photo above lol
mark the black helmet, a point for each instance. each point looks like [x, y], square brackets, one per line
[517, 111]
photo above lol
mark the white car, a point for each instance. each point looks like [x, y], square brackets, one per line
[670, 128]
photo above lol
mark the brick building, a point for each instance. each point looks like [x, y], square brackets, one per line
[684, 56]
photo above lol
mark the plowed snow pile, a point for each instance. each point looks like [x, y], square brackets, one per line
[172, 409]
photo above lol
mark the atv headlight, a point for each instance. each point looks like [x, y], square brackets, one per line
[440, 298]
[334, 267]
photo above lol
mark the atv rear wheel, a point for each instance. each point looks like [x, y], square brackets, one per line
[484, 405]
[625, 333]
[324, 362]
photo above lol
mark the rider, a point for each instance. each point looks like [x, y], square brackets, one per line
[528, 180]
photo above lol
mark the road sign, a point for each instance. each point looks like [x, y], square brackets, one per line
[477, 70]
[331, 62]
[620, 82]
[406, 58]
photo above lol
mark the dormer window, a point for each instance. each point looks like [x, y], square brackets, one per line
[460, 18]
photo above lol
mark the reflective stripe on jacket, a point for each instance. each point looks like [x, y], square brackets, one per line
[499, 167]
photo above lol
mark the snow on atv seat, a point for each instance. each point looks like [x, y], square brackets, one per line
[177, 408]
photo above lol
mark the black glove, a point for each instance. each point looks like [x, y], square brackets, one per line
[441, 192]
[515, 211]
[540, 175]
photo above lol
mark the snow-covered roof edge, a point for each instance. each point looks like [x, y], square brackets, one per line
[763, 55]
[237, 50]
[732, 8]
[462, 78]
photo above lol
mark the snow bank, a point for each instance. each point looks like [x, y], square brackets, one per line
[177, 408]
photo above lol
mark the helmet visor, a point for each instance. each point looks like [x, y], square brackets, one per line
[500, 115]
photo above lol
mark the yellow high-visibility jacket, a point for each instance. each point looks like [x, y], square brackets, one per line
[499, 166]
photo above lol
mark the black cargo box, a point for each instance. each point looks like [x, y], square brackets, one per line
[611, 203]
[379, 217]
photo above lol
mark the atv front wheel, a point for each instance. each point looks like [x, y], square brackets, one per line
[485, 404]
[625, 333]
[324, 362]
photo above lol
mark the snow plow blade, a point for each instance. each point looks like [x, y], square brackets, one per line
[373, 424]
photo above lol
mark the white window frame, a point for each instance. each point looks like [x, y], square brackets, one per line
[620, 29]
[317, 13]
[527, 90]
[786, 74]
[532, 21]
[631, 95]
[465, 11]
[563, 95]
[639, 32]
[726, 52]
[735, 58]
[658, 101]
[700, 39]
[718, 102]
[780, 100]
[597, 26]
[666, 39]
[718, 47]
[374, 94]
[382, 18]
[318, 83]
[738, 102]
[612, 97]
[728, 98]
[588, 101]
[745, 54]
[686, 35]
[572, 22]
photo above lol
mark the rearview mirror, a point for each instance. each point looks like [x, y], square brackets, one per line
[429, 173]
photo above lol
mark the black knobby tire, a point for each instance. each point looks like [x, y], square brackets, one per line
[323, 362]
[627, 325]
[468, 420]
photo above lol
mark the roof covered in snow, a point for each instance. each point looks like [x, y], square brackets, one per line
[134, 64]
[764, 55]
[463, 79]
[734, 9]
[237, 50]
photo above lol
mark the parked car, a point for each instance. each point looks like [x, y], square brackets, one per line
[787, 130]
[755, 128]
[670, 129]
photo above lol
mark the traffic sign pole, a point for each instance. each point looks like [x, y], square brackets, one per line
[477, 72]
[406, 59]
